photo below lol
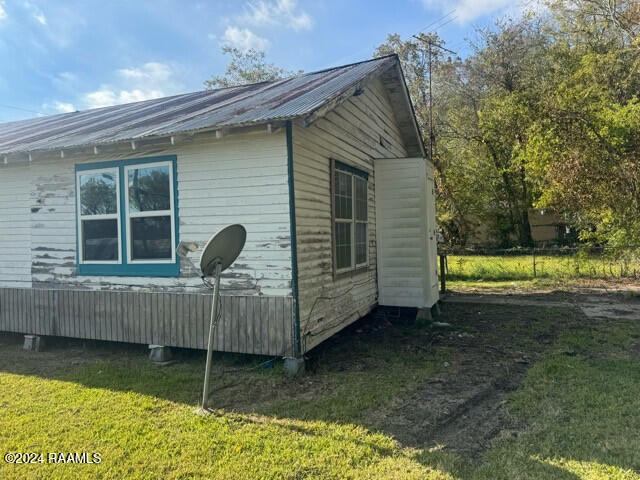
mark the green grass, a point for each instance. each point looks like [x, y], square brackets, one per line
[520, 267]
[579, 412]
[141, 417]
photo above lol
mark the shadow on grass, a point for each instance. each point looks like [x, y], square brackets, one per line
[374, 363]
[357, 369]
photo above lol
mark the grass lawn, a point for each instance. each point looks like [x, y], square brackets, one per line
[576, 410]
[515, 272]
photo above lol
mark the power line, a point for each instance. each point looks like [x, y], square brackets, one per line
[20, 108]
[440, 19]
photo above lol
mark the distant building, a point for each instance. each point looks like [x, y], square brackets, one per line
[549, 228]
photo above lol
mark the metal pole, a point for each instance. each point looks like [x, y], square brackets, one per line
[443, 276]
[535, 273]
[430, 108]
[212, 326]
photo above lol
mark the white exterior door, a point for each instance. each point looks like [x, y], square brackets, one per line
[405, 230]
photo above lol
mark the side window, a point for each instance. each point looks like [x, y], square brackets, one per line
[350, 221]
[99, 224]
[127, 218]
[149, 213]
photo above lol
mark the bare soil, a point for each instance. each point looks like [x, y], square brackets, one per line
[463, 409]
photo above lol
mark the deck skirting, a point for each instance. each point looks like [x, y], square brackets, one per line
[248, 324]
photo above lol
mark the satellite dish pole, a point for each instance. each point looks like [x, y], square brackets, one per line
[218, 254]
[213, 323]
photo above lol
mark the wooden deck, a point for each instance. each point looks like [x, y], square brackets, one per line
[248, 324]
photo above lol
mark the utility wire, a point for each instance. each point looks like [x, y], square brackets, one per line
[20, 108]
[440, 19]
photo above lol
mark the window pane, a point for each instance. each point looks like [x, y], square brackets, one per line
[343, 245]
[343, 195]
[149, 189]
[361, 198]
[361, 243]
[100, 240]
[98, 193]
[151, 238]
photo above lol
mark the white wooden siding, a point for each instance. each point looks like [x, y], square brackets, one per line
[356, 132]
[236, 179]
[15, 237]
[406, 233]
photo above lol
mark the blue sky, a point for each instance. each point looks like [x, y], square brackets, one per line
[60, 56]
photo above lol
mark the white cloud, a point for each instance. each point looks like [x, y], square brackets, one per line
[105, 97]
[36, 13]
[40, 18]
[135, 84]
[63, 107]
[468, 10]
[58, 107]
[151, 71]
[244, 39]
[277, 13]
[3, 12]
[100, 98]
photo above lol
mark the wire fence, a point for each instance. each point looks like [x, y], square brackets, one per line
[486, 264]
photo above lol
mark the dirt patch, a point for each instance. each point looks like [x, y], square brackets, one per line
[464, 408]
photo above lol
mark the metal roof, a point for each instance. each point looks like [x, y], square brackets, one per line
[228, 107]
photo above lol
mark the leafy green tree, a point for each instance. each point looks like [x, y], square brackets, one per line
[585, 151]
[246, 67]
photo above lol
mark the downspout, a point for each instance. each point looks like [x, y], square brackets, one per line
[297, 348]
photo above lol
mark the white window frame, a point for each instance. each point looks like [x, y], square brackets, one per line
[108, 216]
[353, 265]
[356, 222]
[153, 213]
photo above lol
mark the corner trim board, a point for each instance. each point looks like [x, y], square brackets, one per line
[294, 242]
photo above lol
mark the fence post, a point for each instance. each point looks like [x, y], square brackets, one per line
[535, 273]
[443, 276]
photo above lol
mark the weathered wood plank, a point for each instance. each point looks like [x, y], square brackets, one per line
[279, 326]
[287, 329]
[271, 326]
[247, 324]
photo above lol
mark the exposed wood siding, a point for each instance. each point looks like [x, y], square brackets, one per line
[15, 227]
[236, 179]
[359, 130]
[249, 324]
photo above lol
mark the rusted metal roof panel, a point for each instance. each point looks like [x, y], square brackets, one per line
[223, 108]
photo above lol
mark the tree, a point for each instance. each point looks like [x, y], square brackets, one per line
[246, 67]
[586, 150]
[544, 113]
[482, 108]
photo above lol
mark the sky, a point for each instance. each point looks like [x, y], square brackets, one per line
[61, 56]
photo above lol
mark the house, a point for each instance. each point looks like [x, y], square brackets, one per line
[549, 228]
[325, 170]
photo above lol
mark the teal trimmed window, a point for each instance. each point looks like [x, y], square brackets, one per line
[127, 217]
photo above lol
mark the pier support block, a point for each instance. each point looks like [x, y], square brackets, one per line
[294, 366]
[160, 354]
[34, 343]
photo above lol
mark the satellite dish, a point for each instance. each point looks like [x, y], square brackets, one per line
[223, 247]
[218, 254]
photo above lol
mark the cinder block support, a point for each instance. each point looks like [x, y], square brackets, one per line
[160, 354]
[424, 315]
[34, 343]
[435, 310]
[294, 366]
